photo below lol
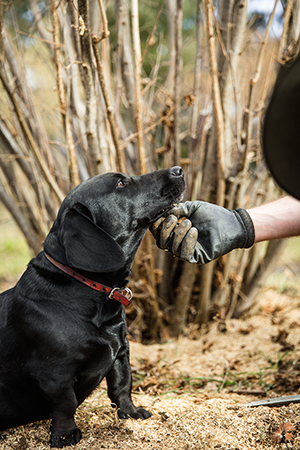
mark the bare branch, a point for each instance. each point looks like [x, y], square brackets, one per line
[27, 132]
[106, 32]
[1, 35]
[285, 29]
[177, 82]
[171, 37]
[294, 32]
[253, 82]
[256, 76]
[45, 35]
[26, 165]
[153, 29]
[89, 86]
[109, 109]
[124, 40]
[154, 125]
[138, 89]
[73, 169]
[216, 101]
[24, 96]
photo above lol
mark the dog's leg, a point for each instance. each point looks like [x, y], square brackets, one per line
[64, 431]
[119, 387]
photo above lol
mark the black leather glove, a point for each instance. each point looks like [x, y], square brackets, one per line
[208, 231]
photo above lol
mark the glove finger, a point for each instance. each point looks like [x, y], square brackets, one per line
[186, 209]
[164, 231]
[178, 211]
[179, 233]
[155, 226]
[188, 245]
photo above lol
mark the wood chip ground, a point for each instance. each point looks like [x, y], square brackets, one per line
[197, 388]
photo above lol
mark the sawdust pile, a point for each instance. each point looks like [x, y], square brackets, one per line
[197, 389]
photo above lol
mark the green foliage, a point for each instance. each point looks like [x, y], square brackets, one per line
[14, 252]
[148, 11]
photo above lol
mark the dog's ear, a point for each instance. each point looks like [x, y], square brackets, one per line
[86, 246]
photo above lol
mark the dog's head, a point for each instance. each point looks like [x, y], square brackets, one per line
[102, 221]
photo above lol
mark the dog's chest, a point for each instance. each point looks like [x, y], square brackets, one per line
[98, 355]
[104, 336]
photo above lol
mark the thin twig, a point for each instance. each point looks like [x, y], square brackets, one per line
[216, 101]
[46, 41]
[253, 82]
[153, 30]
[177, 81]
[109, 108]
[285, 29]
[228, 59]
[132, 136]
[42, 163]
[138, 84]
[106, 32]
[39, 23]
[256, 77]
[1, 34]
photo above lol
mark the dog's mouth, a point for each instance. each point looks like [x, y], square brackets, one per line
[161, 213]
[148, 221]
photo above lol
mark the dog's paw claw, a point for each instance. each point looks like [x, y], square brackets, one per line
[144, 413]
[122, 414]
[138, 413]
[71, 438]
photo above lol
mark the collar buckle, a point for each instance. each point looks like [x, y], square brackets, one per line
[125, 292]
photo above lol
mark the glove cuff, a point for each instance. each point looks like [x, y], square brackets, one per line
[248, 227]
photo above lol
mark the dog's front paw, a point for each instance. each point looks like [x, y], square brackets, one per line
[136, 413]
[70, 438]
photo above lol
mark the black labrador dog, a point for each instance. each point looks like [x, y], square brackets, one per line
[60, 332]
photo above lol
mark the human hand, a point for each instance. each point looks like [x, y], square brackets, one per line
[207, 232]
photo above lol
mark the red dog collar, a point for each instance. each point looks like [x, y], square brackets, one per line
[115, 293]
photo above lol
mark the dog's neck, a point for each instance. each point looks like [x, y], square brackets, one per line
[117, 278]
[121, 295]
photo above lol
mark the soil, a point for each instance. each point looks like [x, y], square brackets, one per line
[198, 388]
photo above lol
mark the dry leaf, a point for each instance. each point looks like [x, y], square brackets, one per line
[282, 434]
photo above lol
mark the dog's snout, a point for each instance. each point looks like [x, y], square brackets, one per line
[176, 171]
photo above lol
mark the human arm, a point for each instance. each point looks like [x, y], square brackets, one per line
[275, 220]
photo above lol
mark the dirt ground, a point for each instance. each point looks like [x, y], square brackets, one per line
[198, 389]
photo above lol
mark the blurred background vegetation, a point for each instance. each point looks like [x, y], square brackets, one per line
[90, 86]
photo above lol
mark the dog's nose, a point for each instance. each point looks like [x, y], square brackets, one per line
[176, 171]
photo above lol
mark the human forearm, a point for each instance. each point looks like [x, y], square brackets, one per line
[275, 220]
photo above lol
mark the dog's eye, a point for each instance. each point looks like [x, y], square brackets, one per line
[121, 182]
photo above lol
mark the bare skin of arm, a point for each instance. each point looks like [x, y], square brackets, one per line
[277, 219]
